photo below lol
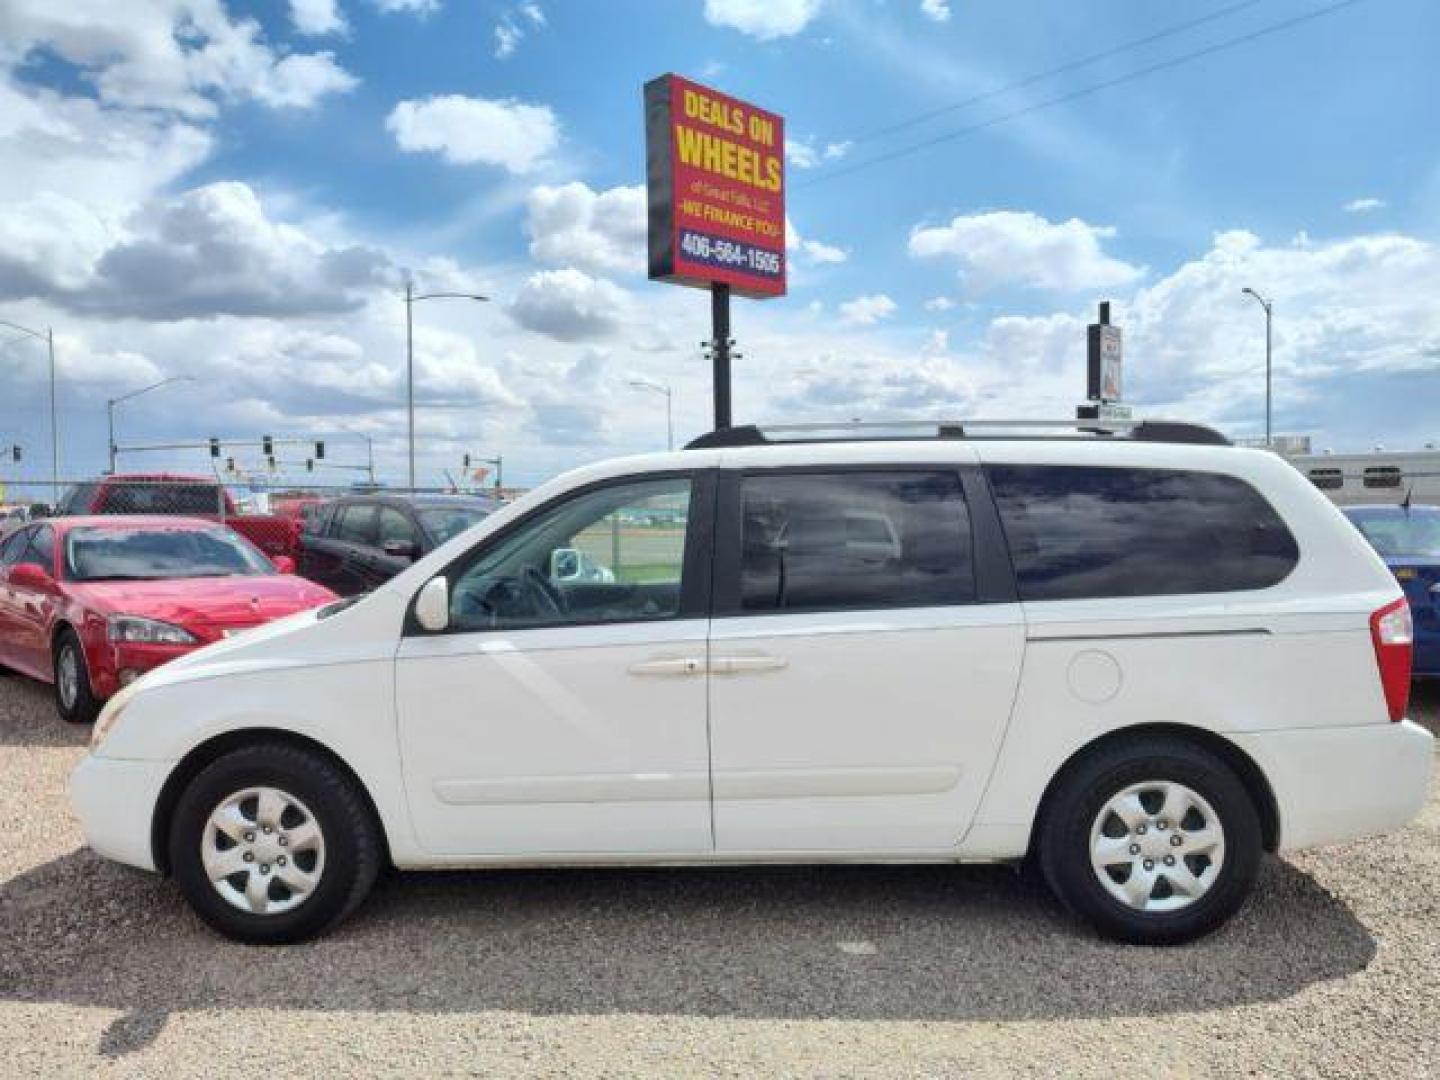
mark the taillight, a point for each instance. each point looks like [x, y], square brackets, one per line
[1394, 636]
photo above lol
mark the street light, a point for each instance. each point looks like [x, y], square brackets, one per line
[110, 408]
[661, 388]
[1269, 314]
[49, 338]
[410, 299]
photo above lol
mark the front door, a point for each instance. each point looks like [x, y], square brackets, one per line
[29, 610]
[559, 716]
[864, 658]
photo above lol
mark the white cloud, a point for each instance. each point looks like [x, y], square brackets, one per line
[316, 17]
[507, 39]
[476, 131]
[937, 344]
[595, 231]
[1010, 247]
[407, 7]
[764, 19]
[804, 154]
[1363, 206]
[866, 310]
[938, 10]
[810, 251]
[177, 56]
[514, 25]
[570, 305]
[939, 303]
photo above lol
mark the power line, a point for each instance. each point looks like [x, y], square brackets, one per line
[1061, 99]
[1040, 76]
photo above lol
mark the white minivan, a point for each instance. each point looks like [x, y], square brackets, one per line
[1140, 659]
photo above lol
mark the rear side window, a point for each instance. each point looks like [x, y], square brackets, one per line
[840, 541]
[79, 499]
[1086, 533]
[355, 524]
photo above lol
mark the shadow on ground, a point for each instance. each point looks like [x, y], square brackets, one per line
[871, 943]
[28, 716]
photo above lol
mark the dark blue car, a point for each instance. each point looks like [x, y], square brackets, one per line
[1408, 539]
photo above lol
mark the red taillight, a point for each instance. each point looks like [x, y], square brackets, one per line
[1394, 636]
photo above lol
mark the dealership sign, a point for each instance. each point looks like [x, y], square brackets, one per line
[716, 181]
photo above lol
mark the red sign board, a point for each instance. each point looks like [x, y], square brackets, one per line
[716, 179]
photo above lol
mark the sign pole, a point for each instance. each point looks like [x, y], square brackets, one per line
[720, 350]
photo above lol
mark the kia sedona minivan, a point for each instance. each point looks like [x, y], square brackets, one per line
[1140, 659]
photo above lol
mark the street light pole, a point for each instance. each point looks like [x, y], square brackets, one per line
[110, 409]
[49, 338]
[411, 298]
[661, 388]
[1269, 319]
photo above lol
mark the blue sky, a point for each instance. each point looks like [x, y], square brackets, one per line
[234, 191]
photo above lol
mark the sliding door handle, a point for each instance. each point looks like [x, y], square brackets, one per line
[744, 663]
[668, 665]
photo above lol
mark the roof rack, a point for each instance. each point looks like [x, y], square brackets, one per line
[1156, 431]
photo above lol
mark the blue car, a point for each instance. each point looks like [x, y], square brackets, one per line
[1408, 539]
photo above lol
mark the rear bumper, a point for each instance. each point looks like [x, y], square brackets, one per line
[1337, 784]
[115, 802]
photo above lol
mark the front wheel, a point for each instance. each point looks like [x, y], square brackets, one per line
[272, 843]
[1156, 842]
[75, 701]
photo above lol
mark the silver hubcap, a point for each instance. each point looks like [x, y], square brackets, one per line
[263, 851]
[68, 677]
[1157, 846]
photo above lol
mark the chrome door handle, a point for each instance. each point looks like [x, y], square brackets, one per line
[668, 665]
[742, 663]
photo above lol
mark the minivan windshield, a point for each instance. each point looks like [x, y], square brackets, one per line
[101, 554]
[1397, 532]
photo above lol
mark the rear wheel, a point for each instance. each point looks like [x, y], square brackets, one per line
[273, 843]
[1156, 842]
[74, 700]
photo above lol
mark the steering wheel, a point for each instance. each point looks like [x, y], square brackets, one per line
[548, 599]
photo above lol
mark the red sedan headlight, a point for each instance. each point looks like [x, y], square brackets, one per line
[133, 629]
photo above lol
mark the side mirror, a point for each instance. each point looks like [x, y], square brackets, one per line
[30, 576]
[400, 549]
[284, 564]
[565, 564]
[432, 605]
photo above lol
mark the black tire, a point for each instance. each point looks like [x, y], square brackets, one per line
[353, 848]
[86, 706]
[1084, 789]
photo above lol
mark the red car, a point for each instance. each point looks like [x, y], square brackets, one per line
[91, 603]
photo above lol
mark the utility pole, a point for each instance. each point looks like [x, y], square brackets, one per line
[411, 299]
[110, 409]
[1269, 320]
[49, 338]
[661, 388]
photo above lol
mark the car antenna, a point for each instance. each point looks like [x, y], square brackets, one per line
[1405, 502]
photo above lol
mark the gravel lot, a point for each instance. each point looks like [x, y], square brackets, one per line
[1333, 969]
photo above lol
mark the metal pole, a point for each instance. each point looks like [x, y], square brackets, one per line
[110, 427]
[54, 424]
[1267, 375]
[370, 458]
[669, 421]
[720, 349]
[410, 374]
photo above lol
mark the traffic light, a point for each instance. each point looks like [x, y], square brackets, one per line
[270, 461]
[319, 449]
[467, 461]
[15, 454]
[230, 464]
[267, 446]
[214, 447]
[309, 464]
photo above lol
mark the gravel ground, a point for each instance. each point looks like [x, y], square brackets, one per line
[1332, 970]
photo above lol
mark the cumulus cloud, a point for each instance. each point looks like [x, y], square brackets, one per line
[476, 131]
[805, 154]
[1363, 206]
[939, 303]
[316, 17]
[763, 19]
[1011, 247]
[513, 27]
[936, 10]
[209, 251]
[598, 231]
[178, 57]
[407, 7]
[866, 310]
[570, 305]
[811, 252]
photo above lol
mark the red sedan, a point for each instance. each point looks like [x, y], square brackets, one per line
[91, 603]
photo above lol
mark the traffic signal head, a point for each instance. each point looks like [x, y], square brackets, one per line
[309, 464]
[467, 461]
[214, 447]
[319, 449]
[267, 446]
[15, 453]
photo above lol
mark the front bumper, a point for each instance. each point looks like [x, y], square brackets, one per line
[115, 802]
[1337, 784]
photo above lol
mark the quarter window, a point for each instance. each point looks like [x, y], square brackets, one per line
[840, 541]
[615, 554]
[355, 524]
[1081, 532]
[395, 528]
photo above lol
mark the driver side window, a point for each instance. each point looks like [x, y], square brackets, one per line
[615, 554]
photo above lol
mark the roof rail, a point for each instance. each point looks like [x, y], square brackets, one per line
[1159, 431]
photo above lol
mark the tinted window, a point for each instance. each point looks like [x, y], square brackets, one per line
[443, 524]
[616, 554]
[79, 499]
[14, 544]
[395, 528]
[1079, 532]
[355, 524]
[41, 549]
[854, 540]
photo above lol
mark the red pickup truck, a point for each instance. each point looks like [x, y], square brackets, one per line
[190, 496]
